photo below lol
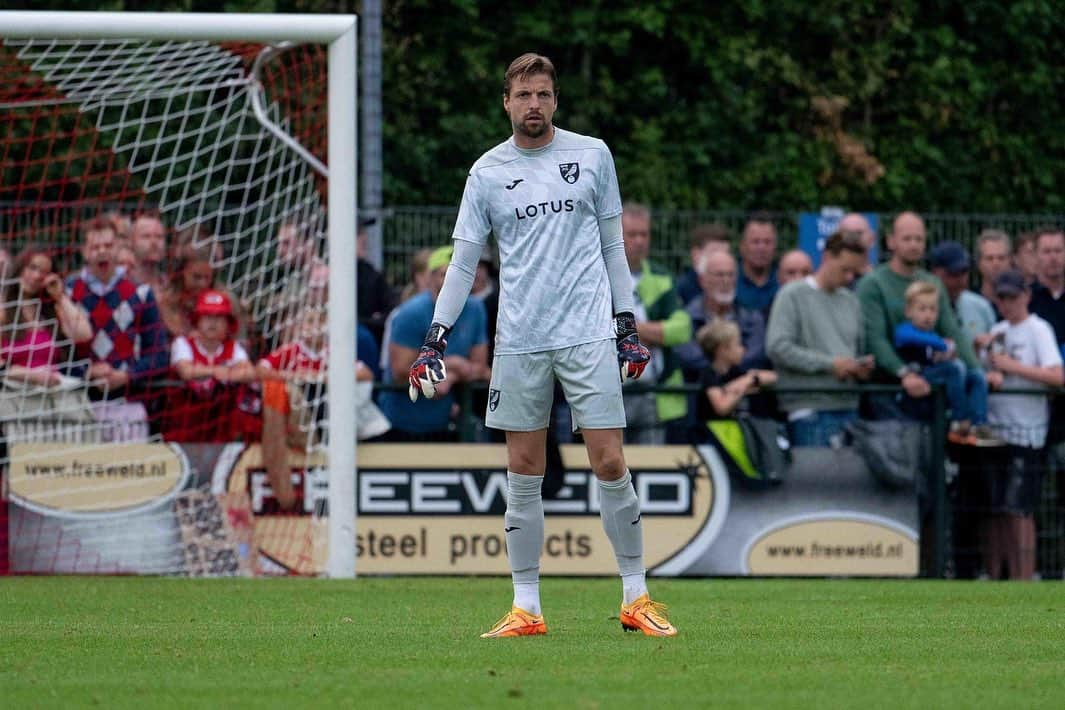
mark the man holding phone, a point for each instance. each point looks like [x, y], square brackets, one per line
[814, 339]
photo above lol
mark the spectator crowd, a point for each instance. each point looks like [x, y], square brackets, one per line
[149, 340]
[162, 347]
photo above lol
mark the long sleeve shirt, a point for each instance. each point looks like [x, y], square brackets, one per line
[808, 329]
[882, 295]
[916, 346]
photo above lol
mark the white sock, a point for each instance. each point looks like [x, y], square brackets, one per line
[527, 596]
[524, 527]
[619, 509]
[633, 586]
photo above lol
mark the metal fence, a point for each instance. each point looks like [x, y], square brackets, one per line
[407, 229]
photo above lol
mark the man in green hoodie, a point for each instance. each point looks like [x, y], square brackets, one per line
[881, 293]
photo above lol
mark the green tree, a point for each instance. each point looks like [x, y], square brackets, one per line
[940, 105]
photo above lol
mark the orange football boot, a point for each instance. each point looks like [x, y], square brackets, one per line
[517, 622]
[646, 616]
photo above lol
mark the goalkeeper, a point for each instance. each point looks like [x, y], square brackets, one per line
[565, 310]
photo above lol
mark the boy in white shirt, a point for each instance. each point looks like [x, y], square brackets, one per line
[1023, 354]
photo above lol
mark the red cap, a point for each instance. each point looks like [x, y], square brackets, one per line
[213, 303]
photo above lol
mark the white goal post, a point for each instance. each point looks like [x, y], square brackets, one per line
[339, 32]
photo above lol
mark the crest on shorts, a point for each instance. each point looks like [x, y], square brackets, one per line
[493, 399]
[569, 171]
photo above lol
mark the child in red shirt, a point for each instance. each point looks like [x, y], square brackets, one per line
[293, 382]
[214, 367]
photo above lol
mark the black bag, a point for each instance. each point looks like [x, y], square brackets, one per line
[754, 449]
[767, 447]
[896, 451]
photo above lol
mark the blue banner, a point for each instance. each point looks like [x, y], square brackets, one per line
[816, 227]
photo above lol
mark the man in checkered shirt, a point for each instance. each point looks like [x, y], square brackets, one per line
[129, 344]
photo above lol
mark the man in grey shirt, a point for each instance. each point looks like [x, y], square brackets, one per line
[815, 338]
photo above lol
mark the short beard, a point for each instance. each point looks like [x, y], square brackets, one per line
[519, 127]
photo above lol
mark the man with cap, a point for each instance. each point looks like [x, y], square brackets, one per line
[466, 358]
[951, 263]
[976, 315]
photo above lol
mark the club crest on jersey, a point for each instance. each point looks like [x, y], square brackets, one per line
[493, 399]
[569, 171]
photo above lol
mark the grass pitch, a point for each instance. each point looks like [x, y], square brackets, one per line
[146, 642]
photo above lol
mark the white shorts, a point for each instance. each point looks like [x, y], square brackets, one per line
[523, 388]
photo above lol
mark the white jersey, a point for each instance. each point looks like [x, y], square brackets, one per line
[1017, 418]
[544, 208]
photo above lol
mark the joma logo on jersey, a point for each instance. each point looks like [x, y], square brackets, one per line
[540, 208]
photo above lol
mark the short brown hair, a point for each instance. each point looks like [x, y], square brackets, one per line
[715, 334]
[529, 64]
[920, 288]
[1047, 229]
[1023, 238]
[636, 209]
[703, 234]
[760, 217]
[839, 242]
[97, 224]
[148, 213]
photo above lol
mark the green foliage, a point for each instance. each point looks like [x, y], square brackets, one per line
[936, 106]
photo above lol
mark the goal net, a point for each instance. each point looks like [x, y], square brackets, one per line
[165, 408]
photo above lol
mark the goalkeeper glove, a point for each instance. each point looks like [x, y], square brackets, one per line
[428, 370]
[632, 357]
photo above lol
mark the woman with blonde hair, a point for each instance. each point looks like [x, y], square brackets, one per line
[419, 275]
